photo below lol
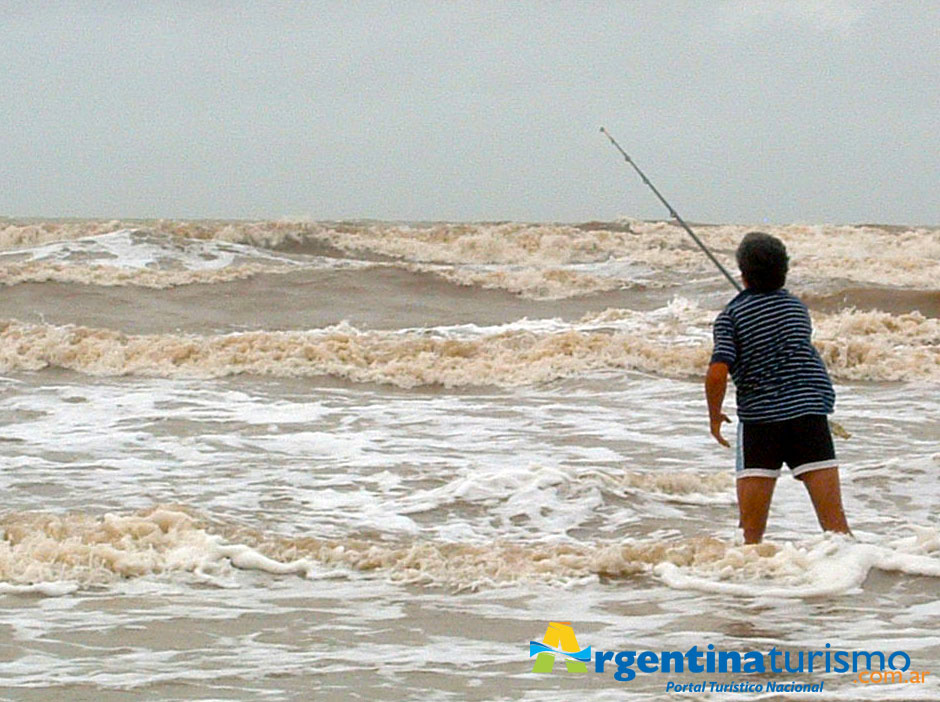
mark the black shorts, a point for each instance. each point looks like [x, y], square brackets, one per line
[803, 443]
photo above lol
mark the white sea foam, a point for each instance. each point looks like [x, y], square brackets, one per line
[540, 256]
[39, 549]
[47, 589]
[51, 554]
[16, 273]
[673, 341]
[819, 253]
[152, 260]
[831, 565]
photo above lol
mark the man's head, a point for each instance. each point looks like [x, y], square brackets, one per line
[763, 262]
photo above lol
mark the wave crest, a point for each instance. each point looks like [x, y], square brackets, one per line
[908, 257]
[112, 276]
[673, 341]
[86, 549]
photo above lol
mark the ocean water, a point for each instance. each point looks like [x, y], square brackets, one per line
[367, 460]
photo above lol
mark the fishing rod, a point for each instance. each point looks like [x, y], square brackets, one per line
[673, 213]
[837, 429]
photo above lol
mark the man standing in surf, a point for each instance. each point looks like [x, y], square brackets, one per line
[763, 338]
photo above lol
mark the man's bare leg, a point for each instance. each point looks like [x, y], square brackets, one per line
[824, 491]
[754, 495]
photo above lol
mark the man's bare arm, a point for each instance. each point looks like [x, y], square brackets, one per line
[716, 383]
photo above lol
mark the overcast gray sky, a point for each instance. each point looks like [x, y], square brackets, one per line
[784, 111]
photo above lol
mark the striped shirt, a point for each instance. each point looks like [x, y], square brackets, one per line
[765, 338]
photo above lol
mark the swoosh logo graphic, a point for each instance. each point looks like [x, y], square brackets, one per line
[584, 655]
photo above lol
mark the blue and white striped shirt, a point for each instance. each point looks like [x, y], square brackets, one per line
[765, 338]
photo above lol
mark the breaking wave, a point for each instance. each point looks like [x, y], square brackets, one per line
[109, 276]
[527, 282]
[820, 254]
[673, 341]
[55, 554]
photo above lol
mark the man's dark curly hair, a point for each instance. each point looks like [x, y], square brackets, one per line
[763, 261]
